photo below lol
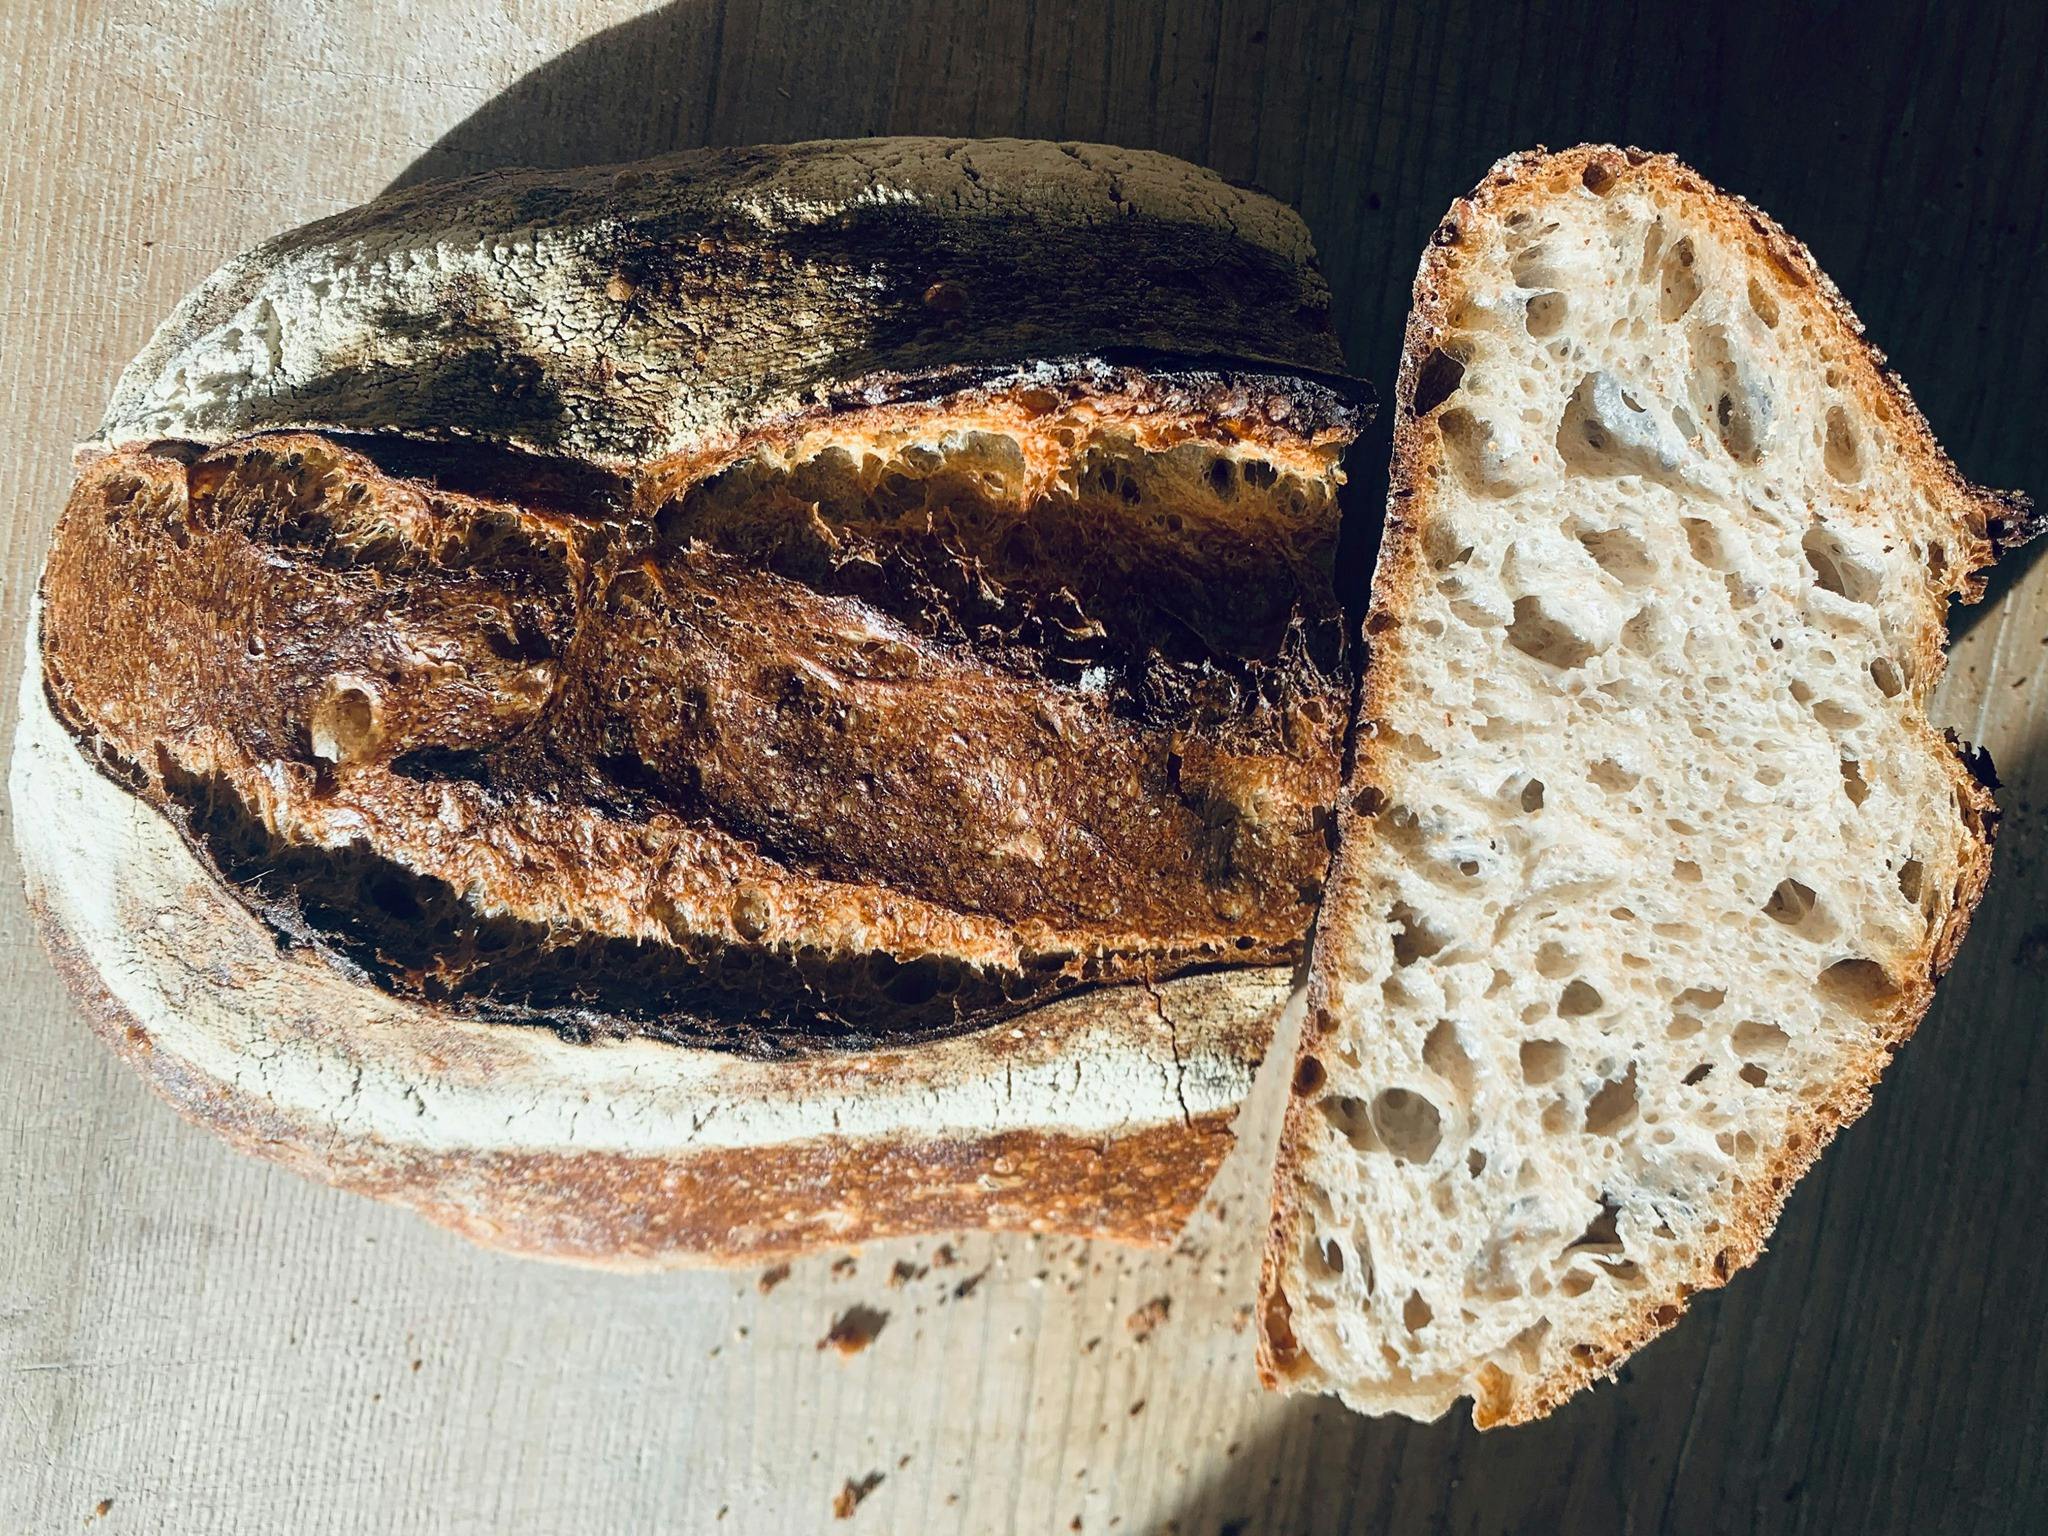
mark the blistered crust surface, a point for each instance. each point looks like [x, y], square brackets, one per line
[623, 314]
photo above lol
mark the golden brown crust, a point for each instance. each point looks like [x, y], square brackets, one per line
[1989, 523]
[722, 1205]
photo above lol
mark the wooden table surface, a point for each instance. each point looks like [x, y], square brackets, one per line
[192, 1342]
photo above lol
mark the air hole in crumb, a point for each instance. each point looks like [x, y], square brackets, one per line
[1530, 267]
[1835, 715]
[1475, 1162]
[1752, 1037]
[1909, 880]
[1408, 1123]
[1620, 554]
[1704, 999]
[1841, 452]
[1532, 795]
[1536, 633]
[1308, 1076]
[1683, 1026]
[1445, 1055]
[1790, 903]
[1599, 177]
[1613, 1106]
[1528, 1344]
[1579, 999]
[1612, 777]
[1697, 1075]
[1329, 1255]
[1543, 1060]
[1858, 983]
[1885, 674]
[1753, 1075]
[1686, 872]
[1545, 314]
[1347, 1117]
[1680, 286]
[1763, 305]
[1557, 1116]
[1852, 781]
[1603, 1233]
[1835, 569]
[1415, 1313]
[1437, 379]
[1703, 539]
[1554, 960]
[1576, 1282]
[1414, 939]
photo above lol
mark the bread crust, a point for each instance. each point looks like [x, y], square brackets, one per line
[1989, 522]
[1104, 1115]
[652, 324]
[625, 315]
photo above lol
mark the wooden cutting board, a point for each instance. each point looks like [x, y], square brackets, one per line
[193, 1342]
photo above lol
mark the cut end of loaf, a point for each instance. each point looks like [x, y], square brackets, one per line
[1651, 855]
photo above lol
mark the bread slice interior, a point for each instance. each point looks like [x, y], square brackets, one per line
[1651, 856]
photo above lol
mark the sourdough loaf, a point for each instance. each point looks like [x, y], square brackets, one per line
[1651, 857]
[680, 712]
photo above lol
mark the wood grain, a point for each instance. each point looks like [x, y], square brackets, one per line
[215, 1346]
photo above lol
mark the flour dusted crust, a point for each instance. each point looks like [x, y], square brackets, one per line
[766, 382]
[1955, 530]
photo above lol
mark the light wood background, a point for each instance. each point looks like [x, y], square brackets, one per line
[191, 1342]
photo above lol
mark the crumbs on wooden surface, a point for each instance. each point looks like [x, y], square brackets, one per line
[1148, 1317]
[854, 1330]
[848, 1498]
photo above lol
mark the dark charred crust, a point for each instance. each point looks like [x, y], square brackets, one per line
[1104, 716]
[2013, 520]
[1976, 761]
[1245, 391]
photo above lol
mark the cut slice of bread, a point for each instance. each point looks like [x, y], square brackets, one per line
[1651, 856]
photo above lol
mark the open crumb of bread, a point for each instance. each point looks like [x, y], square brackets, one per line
[1651, 856]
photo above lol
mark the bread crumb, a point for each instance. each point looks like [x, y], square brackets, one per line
[904, 1272]
[854, 1330]
[1148, 1317]
[100, 1509]
[943, 1256]
[966, 1287]
[1138, 1407]
[848, 1498]
[771, 1277]
[842, 1267]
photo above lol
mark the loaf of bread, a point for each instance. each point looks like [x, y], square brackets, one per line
[1651, 857]
[680, 712]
